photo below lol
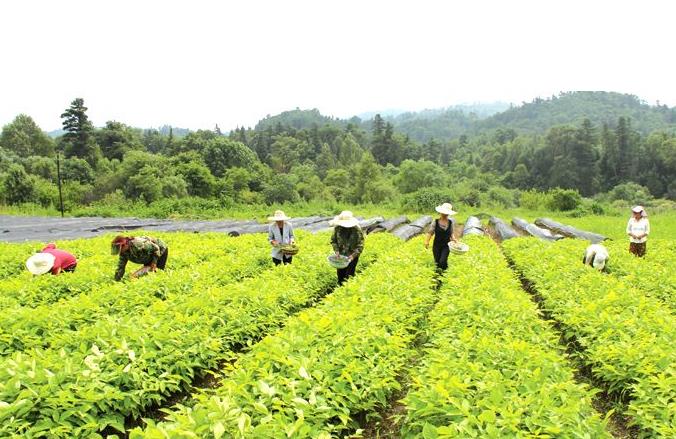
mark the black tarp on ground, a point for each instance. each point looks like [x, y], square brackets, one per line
[569, 231]
[533, 230]
[366, 224]
[472, 227]
[408, 231]
[390, 224]
[21, 228]
[502, 229]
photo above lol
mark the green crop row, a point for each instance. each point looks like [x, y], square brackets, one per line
[54, 325]
[326, 366]
[95, 268]
[627, 339]
[493, 367]
[653, 274]
[138, 361]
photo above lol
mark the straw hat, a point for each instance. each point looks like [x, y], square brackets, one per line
[278, 216]
[40, 263]
[345, 219]
[446, 208]
[637, 209]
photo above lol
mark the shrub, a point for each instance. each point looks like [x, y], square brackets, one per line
[564, 199]
[425, 200]
[534, 200]
[631, 192]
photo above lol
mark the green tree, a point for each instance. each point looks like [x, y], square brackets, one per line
[223, 153]
[18, 185]
[200, 182]
[116, 138]
[25, 138]
[416, 175]
[79, 133]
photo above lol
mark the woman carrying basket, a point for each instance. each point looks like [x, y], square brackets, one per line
[281, 238]
[347, 241]
[442, 229]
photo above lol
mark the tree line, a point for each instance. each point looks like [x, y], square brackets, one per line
[304, 156]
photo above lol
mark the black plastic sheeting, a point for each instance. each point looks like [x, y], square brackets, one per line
[473, 227]
[503, 230]
[533, 230]
[569, 231]
[22, 228]
[389, 225]
[417, 227]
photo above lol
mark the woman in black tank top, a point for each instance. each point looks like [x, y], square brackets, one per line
[442, 229]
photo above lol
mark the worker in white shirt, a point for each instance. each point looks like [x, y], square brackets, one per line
[597, 256]
[638, 229]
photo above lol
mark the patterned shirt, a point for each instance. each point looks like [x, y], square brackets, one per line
[142, 250]
[348, 240]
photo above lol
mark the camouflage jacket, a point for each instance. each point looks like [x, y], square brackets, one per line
[142, 250]
[348, 241]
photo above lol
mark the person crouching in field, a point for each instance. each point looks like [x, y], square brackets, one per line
[151, 252]
[347, 240]
[596, 256]
[51, 259]
[280, 232]
[442, 230]
[638, 229]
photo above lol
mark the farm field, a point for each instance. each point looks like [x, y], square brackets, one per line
[513, 340]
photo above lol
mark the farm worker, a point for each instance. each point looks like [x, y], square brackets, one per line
[638, 229]
[151, 252]
[442, 229]
[347, 240]
[280, 232]
[51, 259]
[596, 256]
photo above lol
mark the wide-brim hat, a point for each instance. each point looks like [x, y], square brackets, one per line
[278, 216]
[446, 209]
[637, 209]
[40, 263]
[345, 219]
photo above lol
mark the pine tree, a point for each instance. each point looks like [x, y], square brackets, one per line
[79, 132]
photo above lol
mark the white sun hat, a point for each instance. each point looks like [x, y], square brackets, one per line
[40, 263]
[278, 216]
[446, 209]
[345, 219]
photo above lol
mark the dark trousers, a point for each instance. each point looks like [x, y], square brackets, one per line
[347, 272]
[440, 253]
[162, 261]
[285, 259]
[637, 249]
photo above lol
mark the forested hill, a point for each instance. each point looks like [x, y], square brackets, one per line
[534, 117]
[571, 108]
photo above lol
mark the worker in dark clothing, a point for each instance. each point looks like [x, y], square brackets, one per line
[442, 230]
[151, 252]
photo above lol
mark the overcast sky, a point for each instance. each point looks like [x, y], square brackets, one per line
[197, 63]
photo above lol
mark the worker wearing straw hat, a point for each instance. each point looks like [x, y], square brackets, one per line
[51, 259]
[347, 240]
[638, 229]
[596, 255]
[280, 232]
[442, 229]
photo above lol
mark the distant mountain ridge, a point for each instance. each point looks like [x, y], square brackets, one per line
[568, 108]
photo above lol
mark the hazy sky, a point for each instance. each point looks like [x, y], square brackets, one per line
[197, 63]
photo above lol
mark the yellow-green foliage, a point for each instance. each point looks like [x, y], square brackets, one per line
[627, 338]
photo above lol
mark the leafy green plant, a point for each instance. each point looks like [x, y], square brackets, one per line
[626, 338]
[493, 367]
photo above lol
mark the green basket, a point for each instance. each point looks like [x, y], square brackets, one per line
[289, 249]
[338, 261]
